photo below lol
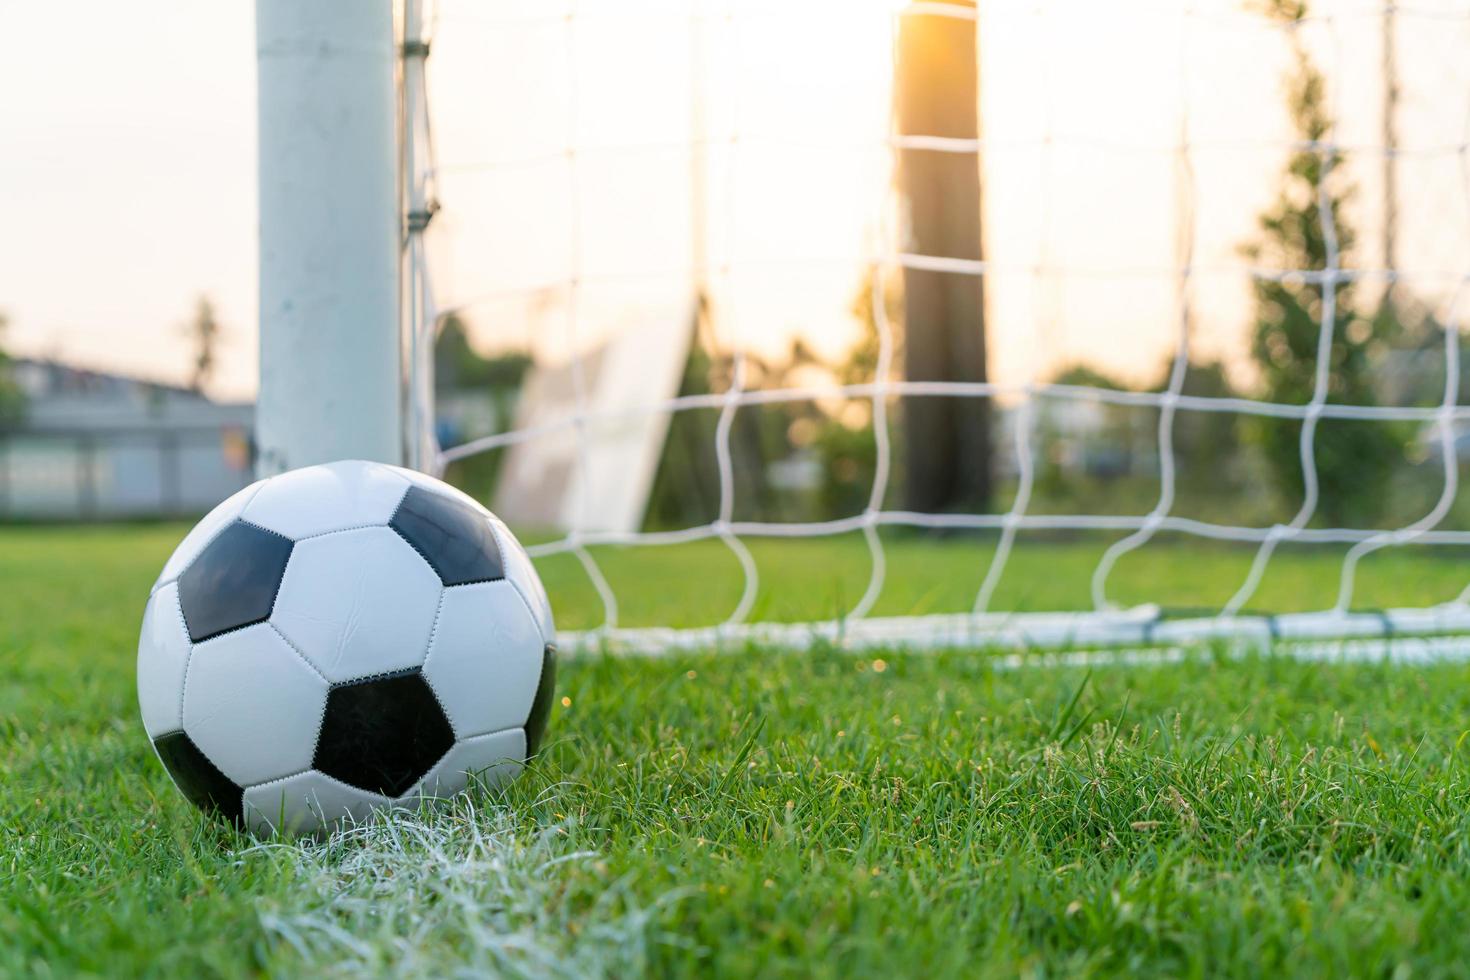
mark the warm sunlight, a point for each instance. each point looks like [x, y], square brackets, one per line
[1081, 107]
[1083, 111]
[735, 488]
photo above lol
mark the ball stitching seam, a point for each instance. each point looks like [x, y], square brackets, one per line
[188, 657]
[205, 546]
[551, 640]
[424, 672]
[338, 530]
[321, 718]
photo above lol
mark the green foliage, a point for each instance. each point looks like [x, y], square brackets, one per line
[1416, 376]
[848, 457]
[477, 475]
[861, 364]
[1086, 376]
[837, 435]
[457, 367]
[1206, 444]
[846, 445]
[1076, 470]
[686, 485]
[763, 813]
[1301, 230]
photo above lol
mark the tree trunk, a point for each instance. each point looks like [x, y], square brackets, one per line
[947, 439]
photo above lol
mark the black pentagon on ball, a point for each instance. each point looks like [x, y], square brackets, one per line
[541, 705]
[234, 581]
[204, 785]
[383, 733]
[452, 536]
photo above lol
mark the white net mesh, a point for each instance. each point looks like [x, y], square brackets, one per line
[1125, 155]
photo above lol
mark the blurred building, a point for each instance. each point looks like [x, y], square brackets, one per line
[1081, 437]
[92, 445]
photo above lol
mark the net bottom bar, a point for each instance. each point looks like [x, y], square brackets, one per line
[1143, 626]
[1405, 650]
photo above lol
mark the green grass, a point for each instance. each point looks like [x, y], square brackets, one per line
[820, 814]
[700, 583]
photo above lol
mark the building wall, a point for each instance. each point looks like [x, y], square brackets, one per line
[93, 446]
[80, 475]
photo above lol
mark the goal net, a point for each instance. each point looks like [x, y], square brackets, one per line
[932, 323]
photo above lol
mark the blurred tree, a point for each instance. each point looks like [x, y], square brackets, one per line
[12, 398]
[686, 485]
[1083, 438]
[849, 458]
[1081, 375]
[459, 367]
[845, 445]
[204, 330]
[1413, 372]
[1206, 444]
[1353, 461]
[838, 436]
[860, 366]
[946, 440]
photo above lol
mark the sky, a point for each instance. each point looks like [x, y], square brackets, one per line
[127, 170]
[127, 182]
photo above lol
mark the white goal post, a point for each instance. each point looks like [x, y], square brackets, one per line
[720, 138]
[330, 233]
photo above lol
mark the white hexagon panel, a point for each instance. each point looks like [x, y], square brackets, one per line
[331, 497]
[306, 803]
[488, 760]
[163, 656]
[357, 603]
[252, 705]
[522, 574]
[487, 658]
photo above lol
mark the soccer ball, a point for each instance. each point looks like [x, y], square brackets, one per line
[339, 639]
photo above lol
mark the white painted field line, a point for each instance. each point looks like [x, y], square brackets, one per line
[468, 891]
[462, 891]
